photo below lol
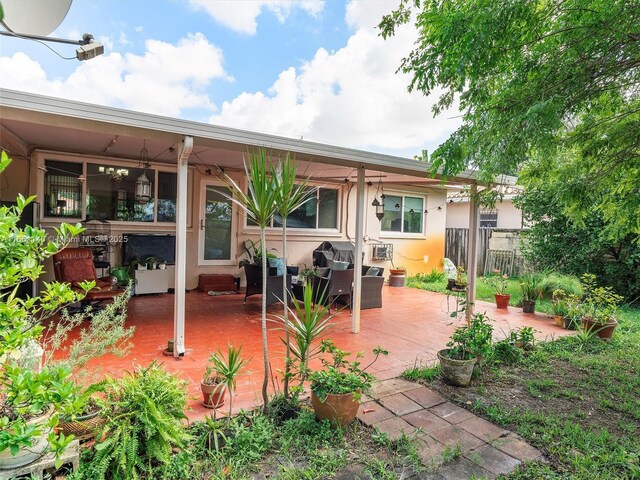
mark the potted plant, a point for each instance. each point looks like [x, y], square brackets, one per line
[469, 344]
[523, 338]
[138, 264]
[399, 270]
[337, 388]
[307, 321]
[500, 282]
[598, 308]
[34, 389]
[559, 307]
[221, 375]
[531, 291]
[83, 418]
[461, 279]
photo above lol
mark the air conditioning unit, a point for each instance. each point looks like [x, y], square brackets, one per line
[382, 251]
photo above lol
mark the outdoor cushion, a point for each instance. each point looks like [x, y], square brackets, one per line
[372, 272]
[75, 270]
[335, 265]
[278, 264]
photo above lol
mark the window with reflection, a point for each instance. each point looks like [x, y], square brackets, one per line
[403, 214]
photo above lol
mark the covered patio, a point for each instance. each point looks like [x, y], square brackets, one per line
[412, 325]
[86, 145]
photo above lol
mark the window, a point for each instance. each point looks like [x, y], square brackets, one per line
[62, 190]
[320, 212]
[110, 192]
[489, 219]
[403, 214]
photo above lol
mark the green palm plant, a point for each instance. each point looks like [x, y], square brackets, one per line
[259, 203]
[306, 323]
[291, 194]
[227, 369]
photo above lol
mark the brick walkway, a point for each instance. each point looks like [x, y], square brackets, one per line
[398, 406]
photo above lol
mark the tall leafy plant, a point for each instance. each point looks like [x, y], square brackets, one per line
[291, 194]
[27, 388]
[259, 203]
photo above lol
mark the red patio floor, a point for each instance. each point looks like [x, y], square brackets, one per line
[413, 325]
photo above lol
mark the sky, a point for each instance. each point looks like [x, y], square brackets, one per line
[310, 69]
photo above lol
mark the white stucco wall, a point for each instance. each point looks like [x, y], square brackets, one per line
[509, 216]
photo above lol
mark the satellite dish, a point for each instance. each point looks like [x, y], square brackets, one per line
[34, 17]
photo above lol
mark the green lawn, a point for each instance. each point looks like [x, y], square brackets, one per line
[484, 291]
[576, 399]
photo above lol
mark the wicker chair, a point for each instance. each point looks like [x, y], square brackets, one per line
[274, 284]
[331, 288]
[371, 290]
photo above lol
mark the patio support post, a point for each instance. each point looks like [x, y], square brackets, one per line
[472, 252]
[184, 151]
[357, 264]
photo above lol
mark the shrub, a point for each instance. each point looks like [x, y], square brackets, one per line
[145, 413]
[552, 281]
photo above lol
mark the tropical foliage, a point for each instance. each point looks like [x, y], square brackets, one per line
[552, 85]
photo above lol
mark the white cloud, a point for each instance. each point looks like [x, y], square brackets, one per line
[138, 28]
[165, 80]
[241, 16]
[352, 97]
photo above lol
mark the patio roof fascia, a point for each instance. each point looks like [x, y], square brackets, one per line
[31, 107]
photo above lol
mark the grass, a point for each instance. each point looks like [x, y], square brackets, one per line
[576, 400]
[484, 291]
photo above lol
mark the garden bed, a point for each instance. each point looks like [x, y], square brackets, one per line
[577, 401]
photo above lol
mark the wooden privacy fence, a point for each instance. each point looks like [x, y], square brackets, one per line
[506, 259]
[455, 246]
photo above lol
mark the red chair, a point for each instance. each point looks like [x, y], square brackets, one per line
[74, 265]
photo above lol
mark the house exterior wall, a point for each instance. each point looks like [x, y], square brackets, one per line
[509, 216]
[15, 179]
[417, 252]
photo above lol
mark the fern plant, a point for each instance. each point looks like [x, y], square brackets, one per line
[145, 413]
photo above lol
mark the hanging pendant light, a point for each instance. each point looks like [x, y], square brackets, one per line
[379, 205]
[143, 184]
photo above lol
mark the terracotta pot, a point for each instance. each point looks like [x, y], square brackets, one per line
[502, 300]
[559, 320]
[339, 409]
[212, 395]
[603, 331]
[528, 306]
[27, 455]
[395, 271]
[456, 372]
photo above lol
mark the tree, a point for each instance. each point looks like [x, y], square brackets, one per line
[537, 81]
[291, 194]
[554, 241]
[259, 203]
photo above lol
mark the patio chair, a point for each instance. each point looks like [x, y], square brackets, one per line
[74, 265]
[371, 290]
[337, 285]
[274, 284]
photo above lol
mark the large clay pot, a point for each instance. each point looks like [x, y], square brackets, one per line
[603, 331]
[212, 395]
[559, 320]
[456, 372]
[502, 300]
[398, 279]
[339, 409]
[27, 455]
